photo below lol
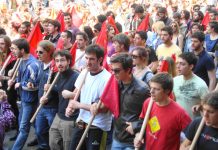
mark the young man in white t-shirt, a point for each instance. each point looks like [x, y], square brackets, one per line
[91, 91]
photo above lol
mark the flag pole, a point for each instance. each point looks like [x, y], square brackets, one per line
[15, 70]
[197, 134]
[87, 128]
[46, 95]
[145, 121]
[5, 64]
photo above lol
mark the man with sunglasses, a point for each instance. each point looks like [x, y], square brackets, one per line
[48, 111]
[133, 92]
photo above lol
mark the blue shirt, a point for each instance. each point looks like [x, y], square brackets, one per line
[205, 63]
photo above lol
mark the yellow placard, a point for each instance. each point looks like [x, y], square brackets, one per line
[154, 124]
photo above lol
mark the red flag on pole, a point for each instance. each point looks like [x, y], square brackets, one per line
[111, 21]
[60, 18]
[144, 24]
[110, 96]
[34, 38]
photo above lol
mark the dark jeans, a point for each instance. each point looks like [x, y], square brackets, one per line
[91, 142]
[43, 122]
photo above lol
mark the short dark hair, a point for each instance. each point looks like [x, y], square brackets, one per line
[198, 25]
[162, 10]
[89, 32]
[67, 14]
[22, 44]
[189, 57]
[98, 26]
[198, 35]
[211, 99]
[2, 31]
[83, 34]
[177, 15]
[164, 79]
[133, 5]
[187, 14]
[214, 25]
[95, 49]
[101, 18]
[110, 13]
[55, 23]
[124, 59]
[27, 24]
[139, 9]
[168, 29]
[122, 39]
[64, 53]
[142, 34]
[69, 34]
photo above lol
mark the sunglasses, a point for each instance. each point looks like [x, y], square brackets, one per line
[135, 56]
[39, 52]
[116, 71]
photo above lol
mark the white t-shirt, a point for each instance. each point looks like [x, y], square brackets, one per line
[189, 92]
[80, 60]
[90, 93]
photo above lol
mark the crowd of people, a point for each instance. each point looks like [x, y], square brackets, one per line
[161, 54]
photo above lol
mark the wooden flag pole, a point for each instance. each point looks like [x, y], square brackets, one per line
[15, 71]
[197, 134]
[145, 121]
[87, 128]
[5, 64]
[46, 95]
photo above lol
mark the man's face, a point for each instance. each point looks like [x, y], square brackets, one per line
[210, 115]
[183, 67]
[45, 27]
[117, 46]
[23, 29]
[81, 43]
[157, 92]
[195, 29]
[195, 17]
[165, 37]
[111, 32]
[2, 45]
[161, 16]
[67, 21]
[92, 62]
[138, 41]
[42, 54]
[64, 38]
[62, 63]
[196, 44]
[212, 16]
[119, 72]
[15, 50]
[51, 28]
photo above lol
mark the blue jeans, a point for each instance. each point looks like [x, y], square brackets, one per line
[27, 109]
[43, 122]
[116, 145]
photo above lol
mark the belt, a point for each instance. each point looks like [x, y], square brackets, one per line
[82, 125]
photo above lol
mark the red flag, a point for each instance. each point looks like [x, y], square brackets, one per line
[73, 53]
[206, 20]
[102, 41]
[60, 18]
[144, 24]
[76, 20]
[110, 96]
[164, 66]
[34, 38]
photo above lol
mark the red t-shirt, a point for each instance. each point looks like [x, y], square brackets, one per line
[164, 126]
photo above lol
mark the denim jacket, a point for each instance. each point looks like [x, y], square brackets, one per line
[28, 72]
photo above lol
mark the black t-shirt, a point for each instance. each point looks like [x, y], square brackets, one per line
[208, 139]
